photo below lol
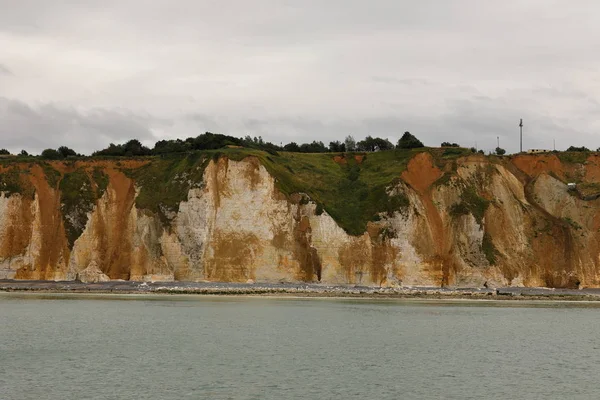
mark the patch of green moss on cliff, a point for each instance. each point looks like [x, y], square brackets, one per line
[12, 182]
[77, 199]
[470, 203]
[488, 248]
[101, 180]
[166, 181]
[52, 176]
[352, 188]
[573, 157]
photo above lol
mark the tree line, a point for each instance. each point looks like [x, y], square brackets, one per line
[211, 141]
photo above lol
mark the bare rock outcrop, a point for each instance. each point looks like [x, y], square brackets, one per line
[92, 274]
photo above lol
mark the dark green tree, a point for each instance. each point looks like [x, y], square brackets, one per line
[66, 152]
[292, 147]
[170, 146]
[409, 141]
[51, 154]
[582, 148]
[372, 144]
[314, 147]
[337, 146]
[135, 148]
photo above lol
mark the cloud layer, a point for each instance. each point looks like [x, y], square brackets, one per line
[89, 73]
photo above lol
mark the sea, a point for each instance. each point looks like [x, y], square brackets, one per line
[63, 346]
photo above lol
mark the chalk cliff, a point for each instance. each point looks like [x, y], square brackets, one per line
[467, 220]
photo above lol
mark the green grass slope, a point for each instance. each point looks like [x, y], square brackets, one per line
[351, 187]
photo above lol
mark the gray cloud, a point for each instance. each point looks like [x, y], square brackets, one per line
[465, 71]
[50, 126]
[4, 70]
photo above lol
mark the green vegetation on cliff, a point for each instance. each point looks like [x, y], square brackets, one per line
[12, 182]
[470, 203]
[77, 198]
[52, 175]
[101, 180]
[165, 182]
[354, 188]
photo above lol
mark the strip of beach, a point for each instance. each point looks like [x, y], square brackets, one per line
[299, 290]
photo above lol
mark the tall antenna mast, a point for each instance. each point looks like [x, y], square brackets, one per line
[521, 128]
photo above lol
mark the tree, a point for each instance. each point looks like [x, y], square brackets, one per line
[292, 147]
[374, 144]
[500, 151]
[4, 152]
[135, 148]
[408, 141]
[350, 143]
[473, 150]
[111, 150]
[582, 148]
[211, 141]
[66, 152]
[383, 144]
[337, 146]
[170, 146]
[51, 154]
[314, 147]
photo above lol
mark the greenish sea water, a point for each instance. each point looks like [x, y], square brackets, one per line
[192, 347]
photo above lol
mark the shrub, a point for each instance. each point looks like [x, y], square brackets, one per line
[500, 151]
[448, 144]
[319, 209]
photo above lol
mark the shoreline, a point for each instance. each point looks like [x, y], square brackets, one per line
[308, 290]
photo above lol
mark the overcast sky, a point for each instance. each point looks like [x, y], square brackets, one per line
[87, 73]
